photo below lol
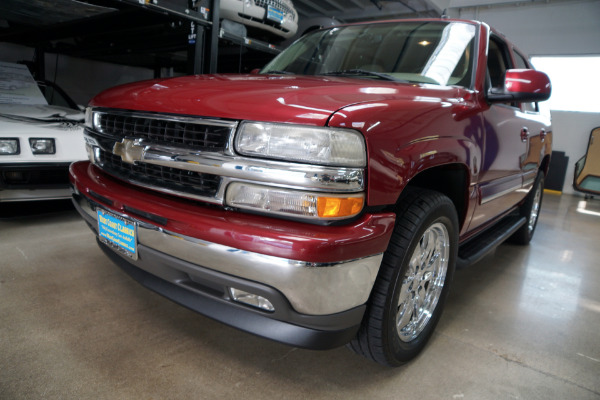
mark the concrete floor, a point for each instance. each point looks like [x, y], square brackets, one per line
[524, 323]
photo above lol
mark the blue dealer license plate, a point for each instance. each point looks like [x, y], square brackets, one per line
[118, 233]
[274, 14]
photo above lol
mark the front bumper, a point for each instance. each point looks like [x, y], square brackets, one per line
[256, 16]
[318, 278]
[34, 181]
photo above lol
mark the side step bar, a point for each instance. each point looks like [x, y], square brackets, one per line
[475, 249]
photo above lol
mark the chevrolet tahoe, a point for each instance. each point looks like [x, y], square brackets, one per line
[328, 198]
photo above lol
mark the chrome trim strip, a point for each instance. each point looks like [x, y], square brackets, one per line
[311, 288]
[500, 194]
[528, 182]
[168, 117]
[529, 178]
[218, 199]
[275, 173]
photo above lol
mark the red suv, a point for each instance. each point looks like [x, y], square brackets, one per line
[328, 198]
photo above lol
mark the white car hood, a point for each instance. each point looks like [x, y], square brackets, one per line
[39, 113]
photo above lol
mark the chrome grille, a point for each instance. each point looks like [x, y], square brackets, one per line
[179, 132]
[278, 4]
[178, 180]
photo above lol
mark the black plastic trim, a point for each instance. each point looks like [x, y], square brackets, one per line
[239, 316]
[205, 291]
[478, 247]
[38, 175]
[149, 216]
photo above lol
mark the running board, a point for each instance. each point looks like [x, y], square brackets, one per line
[476, 248]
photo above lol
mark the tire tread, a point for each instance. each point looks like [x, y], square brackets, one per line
[412, 207]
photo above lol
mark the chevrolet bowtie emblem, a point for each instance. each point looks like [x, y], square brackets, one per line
[129, 150]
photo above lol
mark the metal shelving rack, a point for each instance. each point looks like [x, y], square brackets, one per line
[205, 30]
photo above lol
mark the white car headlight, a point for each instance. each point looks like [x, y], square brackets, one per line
[42, 145]
[9, 146]
[306, 144]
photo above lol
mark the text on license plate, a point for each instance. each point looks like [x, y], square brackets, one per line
[118, 233]
[274, 14]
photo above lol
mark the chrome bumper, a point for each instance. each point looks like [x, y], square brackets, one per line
[312, 289]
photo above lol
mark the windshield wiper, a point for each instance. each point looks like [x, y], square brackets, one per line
[278, 72]
[361, 72]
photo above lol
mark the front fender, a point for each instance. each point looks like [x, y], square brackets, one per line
[405, 138]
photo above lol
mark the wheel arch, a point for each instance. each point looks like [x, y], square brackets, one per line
[452, 180]
[545, 165]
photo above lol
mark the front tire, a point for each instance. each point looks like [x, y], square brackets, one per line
[413, 281]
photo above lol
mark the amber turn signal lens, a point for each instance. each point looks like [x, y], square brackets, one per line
[335, 207]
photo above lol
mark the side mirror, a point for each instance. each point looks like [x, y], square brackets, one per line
[522, 85]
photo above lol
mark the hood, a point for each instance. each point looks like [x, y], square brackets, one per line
[288, 98]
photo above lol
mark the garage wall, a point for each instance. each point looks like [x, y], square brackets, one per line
[540, 28]
[81, 79]
[96, 75]
[571, 135]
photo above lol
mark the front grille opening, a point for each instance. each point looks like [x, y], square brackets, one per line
[101, 198]
[196, 136]
[34, 177]
[205, 185]
[149, 216]
[204, 286]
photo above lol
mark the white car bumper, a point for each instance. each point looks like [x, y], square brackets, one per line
[29, 174]
[254, 13]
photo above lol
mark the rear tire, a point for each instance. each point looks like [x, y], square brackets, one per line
[530, 210]
[413, 281]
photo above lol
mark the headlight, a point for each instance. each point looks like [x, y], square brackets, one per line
[9, 146]
[92, 119]
[293, 202]
[89, 115]
[312, 145]
[42, 145]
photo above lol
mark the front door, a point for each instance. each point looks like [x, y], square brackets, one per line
[506, 145]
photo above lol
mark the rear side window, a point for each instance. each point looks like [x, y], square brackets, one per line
[498, 63]
[520, 61]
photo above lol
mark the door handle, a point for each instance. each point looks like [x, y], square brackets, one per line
[543, 135]
[524, 134]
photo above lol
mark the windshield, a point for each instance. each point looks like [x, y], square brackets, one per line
[424, 52]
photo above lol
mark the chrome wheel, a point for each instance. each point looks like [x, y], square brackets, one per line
[535, 209]
[413, 281]
[423, 283]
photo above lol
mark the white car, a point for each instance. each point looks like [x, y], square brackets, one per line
[278, 17]
[41, 134]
